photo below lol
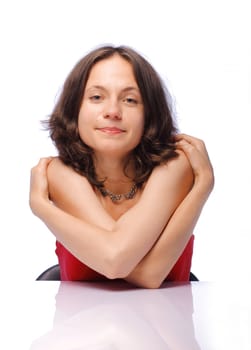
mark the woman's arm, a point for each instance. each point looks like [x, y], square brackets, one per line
[155, 266]
[115, 251]
[153, 269]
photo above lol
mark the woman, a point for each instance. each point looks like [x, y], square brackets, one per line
[126, 191]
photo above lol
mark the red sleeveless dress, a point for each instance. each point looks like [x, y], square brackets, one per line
[72, 269]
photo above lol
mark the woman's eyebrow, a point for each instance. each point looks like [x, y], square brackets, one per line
[126, 89]
[98, 87]
[131, 88]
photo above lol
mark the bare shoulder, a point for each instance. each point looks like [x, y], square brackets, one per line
[177, 166]
[181, 168]
[57, 167]
[74, 194]
[59, 171]
[181, 162]
[64, 180]
[175, 174]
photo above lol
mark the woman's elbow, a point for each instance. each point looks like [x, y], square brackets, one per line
[153, 285]
[114, 272]
[120, 272]
[148, 284]
[116, 267]
[144, 280]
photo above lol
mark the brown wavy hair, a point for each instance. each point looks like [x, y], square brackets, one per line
[156, 145]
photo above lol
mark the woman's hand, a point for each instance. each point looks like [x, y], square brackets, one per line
[39, 190]
[198, 157]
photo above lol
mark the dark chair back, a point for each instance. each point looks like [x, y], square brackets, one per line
[50, 274]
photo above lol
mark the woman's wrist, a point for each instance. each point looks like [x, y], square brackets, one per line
[39, 205]
[204, 182]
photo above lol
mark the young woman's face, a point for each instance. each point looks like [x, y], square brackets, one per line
[111, 117]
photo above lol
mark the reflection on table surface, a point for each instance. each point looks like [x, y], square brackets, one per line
[115, 315]
[119, 316]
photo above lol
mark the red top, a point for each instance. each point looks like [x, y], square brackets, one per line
[72, 269]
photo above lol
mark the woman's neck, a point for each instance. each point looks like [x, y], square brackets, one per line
[113, 172]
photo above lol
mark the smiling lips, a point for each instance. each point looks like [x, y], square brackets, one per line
[111, 130]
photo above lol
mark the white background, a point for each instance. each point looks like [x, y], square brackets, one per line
[201, 49]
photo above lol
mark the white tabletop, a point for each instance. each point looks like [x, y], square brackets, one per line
[78, 315]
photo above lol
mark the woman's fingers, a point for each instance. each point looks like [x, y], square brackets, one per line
[188, 142]
[38, 179]
[196, 153]
[42, 164]
[196, 142]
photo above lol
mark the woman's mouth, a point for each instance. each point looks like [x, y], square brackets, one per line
[111, 130]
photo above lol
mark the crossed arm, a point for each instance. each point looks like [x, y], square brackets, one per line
[136, 243]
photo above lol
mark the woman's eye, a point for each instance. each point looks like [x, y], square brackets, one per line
[131, 100]
[95, 98]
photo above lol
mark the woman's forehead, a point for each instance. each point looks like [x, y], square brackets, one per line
[110, 71]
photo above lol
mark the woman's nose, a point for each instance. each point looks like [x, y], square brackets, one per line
[112, 110]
